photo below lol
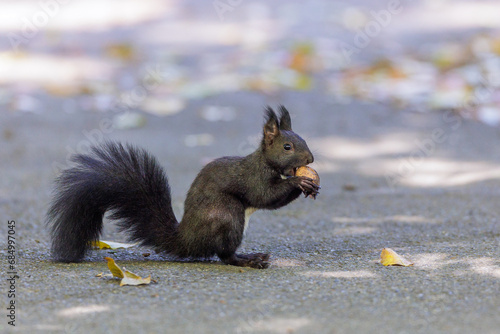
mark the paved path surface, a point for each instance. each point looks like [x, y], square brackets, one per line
[325, 276]
[425, 184]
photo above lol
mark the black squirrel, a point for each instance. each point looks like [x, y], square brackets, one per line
[130, 183]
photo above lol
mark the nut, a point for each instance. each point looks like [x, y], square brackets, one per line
[308, 172]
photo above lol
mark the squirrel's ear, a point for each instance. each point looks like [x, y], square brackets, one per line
[271, 128]
[285, 120]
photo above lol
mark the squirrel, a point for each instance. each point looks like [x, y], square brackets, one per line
[130, 183]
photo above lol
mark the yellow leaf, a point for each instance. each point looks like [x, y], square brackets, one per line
[113, 267]
[102, 244]
[495, 46]
[121, 51]
[301, 57]
[304, 82]
[62, 90]
[136, 280]
[388, 257]
[130, 274]
[128, 278]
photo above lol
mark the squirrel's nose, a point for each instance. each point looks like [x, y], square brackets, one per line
[310, 159]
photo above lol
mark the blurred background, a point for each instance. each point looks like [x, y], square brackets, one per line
[158, 56]
[81, 70]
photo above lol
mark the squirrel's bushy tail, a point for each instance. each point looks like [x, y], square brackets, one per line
[125, 180]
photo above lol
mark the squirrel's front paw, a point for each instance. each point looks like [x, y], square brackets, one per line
[307, 185]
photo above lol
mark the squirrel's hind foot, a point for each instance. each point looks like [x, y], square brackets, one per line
[254, 256]
[254, 260]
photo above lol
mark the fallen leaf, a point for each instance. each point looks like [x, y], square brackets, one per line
[121, 51]
[113, 267]
[495, 46]
[128, 278]
[388, 257]
[133, 279]
[62, 90]
[301, 57]
[102, 244]
[303, 82]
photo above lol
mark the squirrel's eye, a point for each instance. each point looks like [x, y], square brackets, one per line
[287, 147]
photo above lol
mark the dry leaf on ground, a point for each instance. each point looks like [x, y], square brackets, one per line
[121, 51]
[133, 279]
[388, 257]
[113, 267]
[128, 278]
[102, 244]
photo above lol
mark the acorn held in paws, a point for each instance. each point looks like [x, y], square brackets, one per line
[310, 173]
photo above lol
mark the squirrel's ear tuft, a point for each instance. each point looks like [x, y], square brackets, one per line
[285, 120]
[270, 115]
[271, 127]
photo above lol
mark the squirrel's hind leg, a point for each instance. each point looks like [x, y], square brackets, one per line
[224, 222]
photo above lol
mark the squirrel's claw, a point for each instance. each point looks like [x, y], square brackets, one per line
[308, 187]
